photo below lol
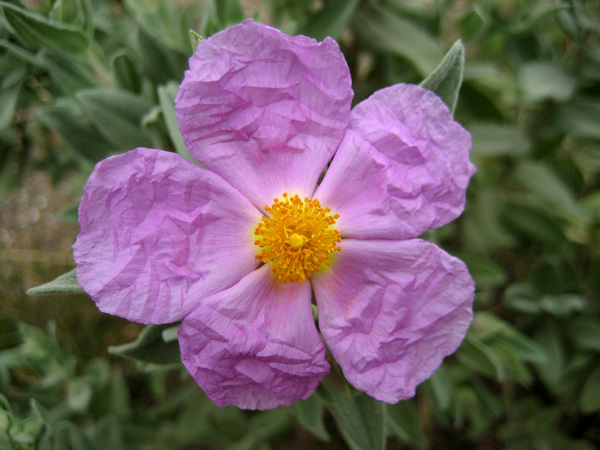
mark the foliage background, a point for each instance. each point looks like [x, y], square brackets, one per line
[83, 79]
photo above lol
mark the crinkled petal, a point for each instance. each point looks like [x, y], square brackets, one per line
[402, 169]
[255, 345]
[158, 233]
[390, 311]
[265, 110]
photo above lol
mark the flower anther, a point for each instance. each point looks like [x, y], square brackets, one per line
[297, 239]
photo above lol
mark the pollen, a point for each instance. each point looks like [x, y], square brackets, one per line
[297, 238]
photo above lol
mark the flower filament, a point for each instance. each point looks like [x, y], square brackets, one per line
[297, 239]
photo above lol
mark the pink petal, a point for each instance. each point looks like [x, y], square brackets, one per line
[159, 233]
[390, 311]
[265, 110]
[403, 168]
[255, 345]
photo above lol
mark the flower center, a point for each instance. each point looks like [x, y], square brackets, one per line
[297, 239]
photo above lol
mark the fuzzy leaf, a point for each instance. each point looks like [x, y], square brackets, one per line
[447, 77]
[65, 284]
[195, 39]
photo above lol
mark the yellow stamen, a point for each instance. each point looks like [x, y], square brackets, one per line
[297, 239]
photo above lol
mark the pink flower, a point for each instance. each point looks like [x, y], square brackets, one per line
[164, 240]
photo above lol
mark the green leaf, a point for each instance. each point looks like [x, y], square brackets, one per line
[581, 118]
[492, 139]
[150, 347]
[153, 125]
[522, 347]
[195, 39]
[69, 74]
[109, 434]
[166, 99]
[475, 403]
[111, 395]
[495, 331]
[568, 22]
[309, 413]
[585, 333]
[532, 222]
[79, 394]
[479, 357]
[65, 284]
[126, 73]
[167, 21]
[440, 389]
[41, 6]
[543, 80]
[67, 11]
[589, 399]
[360, 420]
[8, 104]
[36, 31]
[447, 77]
[473, 23]
[591, 204]
[20, 53]
[485, 272]
[40, 412]
[70, 214]
[528, 24]
[170, 334]
[549, 189]
[481, 228]
[387, 31]
[88, 16]
[70, 122]
[403, 422]
[160, 63]
[548, 335]
[522, 297]
[229, 12]
[68, 436]
[118, 115]
[12, 71]
[562, 305]
[331, 20]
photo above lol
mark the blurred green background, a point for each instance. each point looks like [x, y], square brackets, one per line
[83, 79]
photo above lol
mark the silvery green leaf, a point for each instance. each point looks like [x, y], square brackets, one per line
[446, 78]
[65, 284]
